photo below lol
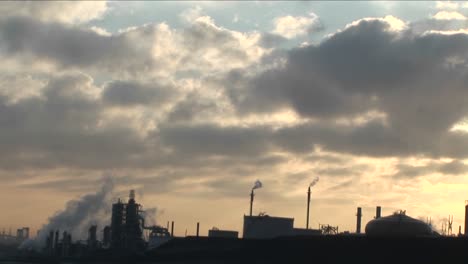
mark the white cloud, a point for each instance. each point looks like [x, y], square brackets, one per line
[449, 15]
[59, 11]
[291, 27]
[447, 32]
[446, 5]
[100, 31]
[395, 24]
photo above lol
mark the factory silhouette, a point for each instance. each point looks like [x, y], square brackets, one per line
[264, 238]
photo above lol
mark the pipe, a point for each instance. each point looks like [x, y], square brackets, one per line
[358, 220]
[378, 211]
[198, 229]
[308, 206]
[251, 201]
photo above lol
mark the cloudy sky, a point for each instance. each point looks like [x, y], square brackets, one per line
[190, 102]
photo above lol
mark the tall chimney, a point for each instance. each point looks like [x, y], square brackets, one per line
[358, 220]
[172, 229]
[466, 217]
[198, 229]
[251, 201]
[378, 211]
[308, 206]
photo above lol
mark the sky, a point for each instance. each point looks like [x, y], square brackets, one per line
[189, 103]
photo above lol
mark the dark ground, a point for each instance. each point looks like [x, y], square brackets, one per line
[323, 249]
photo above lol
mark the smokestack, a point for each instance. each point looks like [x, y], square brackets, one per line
[378, 211]
[466, 217]
[251, 201]
[358, 220]
[198, 229]
[257, 184]
[172, 228]
[316, 179]
[308, 206]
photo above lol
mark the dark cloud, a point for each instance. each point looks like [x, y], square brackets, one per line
[446, 168]
[130, 93]
[455, 168]
[370, 139]
[270, 40]
[70, 46]
[210, 139]
[194, 105]
[325, 158]
[62, 128]
[410, 79]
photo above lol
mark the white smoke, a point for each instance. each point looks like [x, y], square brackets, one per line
[314, 182]
[149, 215]
[257, 184]
[78, 216]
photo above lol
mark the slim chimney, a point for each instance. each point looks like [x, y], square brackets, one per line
[172, 229]
[308, 206]
[378, 211]
[251, 201]
[198, 229]
[466, 217]
[358, 220]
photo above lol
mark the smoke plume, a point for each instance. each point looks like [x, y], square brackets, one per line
[149, 215]
[79, 215]
[314, 182]
[257, 184]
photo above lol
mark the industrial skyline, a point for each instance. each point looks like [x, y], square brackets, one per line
[189, 103]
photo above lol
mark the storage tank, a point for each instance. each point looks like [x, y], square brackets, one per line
[264, 226]
[398, 224]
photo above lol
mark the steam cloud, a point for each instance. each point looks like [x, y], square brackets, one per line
[78, 216]
[149, 216]
[314, 182]
[257, 184]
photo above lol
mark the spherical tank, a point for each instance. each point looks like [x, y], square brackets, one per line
[398, 224]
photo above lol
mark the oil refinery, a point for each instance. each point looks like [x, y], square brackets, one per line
[264, 237]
